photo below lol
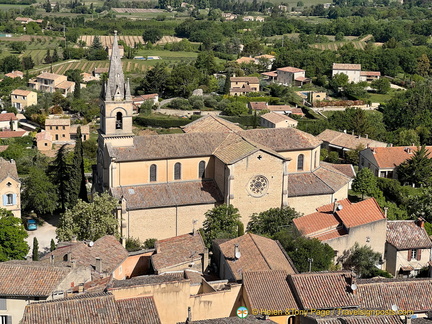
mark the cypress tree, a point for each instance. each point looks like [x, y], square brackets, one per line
[35, 251]
[80, 190]
[60, 171]
[227, 85]
[52, 245]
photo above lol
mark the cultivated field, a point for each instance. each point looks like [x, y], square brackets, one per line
[137, 10]
[108, 40]
[129, 66]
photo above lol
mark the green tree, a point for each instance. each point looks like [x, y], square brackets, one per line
[271, 221]
[10, 63]
[183, 80]
[96, 44]
[12, 237]
[89, 221]
[423, 65]
[305, 252]
[60, 172]
[35, 250]
[206, 62]
[221, 222]
[407, 137]
[417, 170]
[52, 245]
[227, 84]
[381, 85]
[18, 47]
[39, 193]
[365, 182]
[152, 35]
[363, 260]
[155, 81]
[27, 62]
[338, 81]
[235, 108]
[48, 58]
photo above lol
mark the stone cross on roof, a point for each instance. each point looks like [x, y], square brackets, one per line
[116, 89]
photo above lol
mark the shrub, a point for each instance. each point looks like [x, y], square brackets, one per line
[180, 103]
[133, 244]
[150, 243]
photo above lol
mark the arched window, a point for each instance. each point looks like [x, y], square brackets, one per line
[119, 120]
[300, 161]
[153, 172]
[201, 169]
[177, 171]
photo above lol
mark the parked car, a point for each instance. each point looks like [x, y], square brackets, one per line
[31, 225]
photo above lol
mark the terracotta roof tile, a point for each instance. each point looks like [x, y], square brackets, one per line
[257, 253]
[30, 278]
[245, 79]
[146, 280]
[258, 105]
[290, 69]
[316, 223]
[268, 290]
[346, 169]
[44, 136]
[169, 194]
[390, 157]
[57, 122]
[177, 250]
[64, 85]
[20, 92]
[10, 134]
[270, 74]
[108, 248]
[277, 118]
[211, 124]
[342, 66]
[323, 290]
[245, 60]
[407, 294]
[138, 310]
[8, 169]
[50, 76]
[406, 234]
[8, 117]
[371, 73]
[233, 320]
[363, 212]
[344, 140]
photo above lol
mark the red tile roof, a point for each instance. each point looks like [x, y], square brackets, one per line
[259, 105]
[390, 157]
[211, 124]
[342, 66]
[363, 212]
[10, 134]
[177, 250]
[370, 73]
[138, 310]
[323, 290]
[257, 253]
[8, 169]
[406, 294]
[290, 69]
[268, 290]
[8, 117]
[253, 80]
[20, 92]
[344, 140]
[406, 234]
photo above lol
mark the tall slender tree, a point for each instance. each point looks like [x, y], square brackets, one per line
[60, 172]
[80, 190]
[35, 251]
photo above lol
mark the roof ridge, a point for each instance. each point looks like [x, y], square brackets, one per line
[262, 254]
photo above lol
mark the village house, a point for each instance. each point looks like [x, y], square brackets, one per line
[192, 297]
[342, 142]
[139, 100]
[229, 16]
[10, 187]
[44, 141]
[180, 253]
[343, 224]
[97, 72]
[275, 120]
[21, 99]
[383, 161]
[12, 134]
[168, 182]
[8, 121]
[104, 258]
[51, 82]
[24, 282]
[241, 86]
[59, 128]
[61, 131]
[291, 76]
[101, 308]
[279, 109]
[15, 74]
[249, 252]
[408, 248]
[354, 72]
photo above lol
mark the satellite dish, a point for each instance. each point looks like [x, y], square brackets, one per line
[237, 254]
[394, 308]
[353, 287]
[339, 207]
[91, 243]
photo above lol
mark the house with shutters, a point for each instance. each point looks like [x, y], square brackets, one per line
[21, 99]
[408, 247]
[10, 187]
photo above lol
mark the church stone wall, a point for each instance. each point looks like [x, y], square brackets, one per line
[311, 159]
[163, 223]
[245, 171]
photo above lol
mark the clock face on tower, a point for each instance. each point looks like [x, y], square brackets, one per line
[258, 186]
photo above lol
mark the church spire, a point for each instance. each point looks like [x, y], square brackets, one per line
[115, 89]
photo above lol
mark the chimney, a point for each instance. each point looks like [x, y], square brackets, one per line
[345, 131]
[73, 262]
[52, 258]
[74, 239]
[407, 319]
[335, 205]
[205, 260]
[81, 288]
[237, 253]
[123, 241]
[98, 264]
[366, 135]
[385, 211]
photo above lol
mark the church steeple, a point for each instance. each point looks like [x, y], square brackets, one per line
[116, 88]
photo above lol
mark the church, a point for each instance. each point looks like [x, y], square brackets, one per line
[166, 183]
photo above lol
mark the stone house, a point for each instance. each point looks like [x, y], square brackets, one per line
[51, 82]
[21, 99]
[10, 187]
[8, 121]
[241, 86]
[275, 120]
[408, 247]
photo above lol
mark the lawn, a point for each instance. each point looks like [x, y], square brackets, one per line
[381, 98]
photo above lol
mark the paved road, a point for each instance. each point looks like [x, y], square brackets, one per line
[44, 234]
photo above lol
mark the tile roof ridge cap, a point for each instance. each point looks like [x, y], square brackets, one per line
[325, 183]
[332, 169]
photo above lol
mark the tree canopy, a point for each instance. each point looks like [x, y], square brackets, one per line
[271, 221]
[12, 237]
[221, 222]
[89, 221]
[418, 169]
[363, 260]
[365, 182]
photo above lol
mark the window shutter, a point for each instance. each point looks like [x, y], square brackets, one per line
[8, 319]
[14, 199]
[4, 200]
[409, 255]
[418, 254]
[3, 305]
